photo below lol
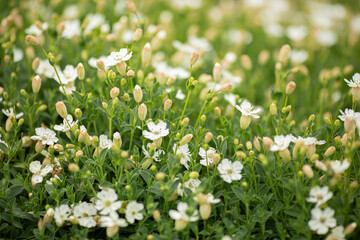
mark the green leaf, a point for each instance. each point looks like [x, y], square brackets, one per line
[13, 191]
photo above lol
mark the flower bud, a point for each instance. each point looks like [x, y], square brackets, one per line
[31, 39]
[114, 92]
[185, 122]
[167, 105]
[160, 176]
[111, 231]
[248, 145]
[245, 122]
[117, 141]
[330, 151]
[217, 72]
[80, 71]
[100, 64]
[194, 57]
[157, 216]
[180, 225]
[350, 228]
[130, 73]
[61, 109]
[49, 215]
[307, 170]
[205, 211]
[137, 34]
[208, 137]
[194, 175]
[142, 111]
[285, 155]
[27, 141]
[349, 124]
[146, 55]
[58, 148]
[104, 105]
[284, 54]
[84, 138]
[39, 147]
[36, 84]
[217, 111]
[131, 6]
[186, 139]
[290, 87]
[257, 143]
[121, 68]
[246, 62]
[79, 154]
[226, 87]
[216, 157]
[73, 167]
[35, 64]
[273, 109]
[126, 97]
[78, 113]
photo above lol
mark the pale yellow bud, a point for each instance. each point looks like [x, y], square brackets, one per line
[226, 87]
[208, 137]
[194, 57]
[205, 211]
[35, 64]
[217, 111]
[137, 34]
[284, 54]
[114, 92]
[186, 139]
[217, 72]
[194, 175]
[111, 231]
[31, 39]
[142, 111]
[180, 225]
[146, 55]
[167, 105]
[130, 73]
[273, 109]
[257, 143]
[61, 109]
[350, 228]
[36, 84]
[290, 87]
[307, 170]
[39, 147]
[245, 122]
[330, 151]
[73, 167]
[131, 6]
[121, 68]
[117, 141]
[248, 145]
[84, 138]
[157, 216]
[160, 176]
[285, 155]
[80, 71]
[100, 64]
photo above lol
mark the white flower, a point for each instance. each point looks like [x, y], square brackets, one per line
[309, 141]
[105, 142]
[156, 130]
[298, 56]
[61, 214]
[183, 153]
[132, 211]
[176, 73]
[107, 202]
[297, 33]
[180, 95]
[94, 21]
[118, 57]
[228, 76]
[326, 38]
[192, 184]
[33, 30]
[10, 113]
[156, 153]
[38, 172]
[53, 180]
[68, 123]
[113, 220]
[183, 214]
[354, 82]
[45, 69]
[338, 233]
[231, 98]
[68, 89]
[347, 114]
[338, 166]
[85, 212]
[319, 195]
[71, 29]
[247, 110]
[207, 156]
[18, 54]
[67, 76]
[230, 171]
[322, 220]
[45, 135]
[281, 142]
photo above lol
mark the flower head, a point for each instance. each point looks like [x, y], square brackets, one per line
[183, 213]
[339, 167]
[354, 82]
[118, 57]
[247, 110]
[281, 142]
[156, 130]
[347, 114]
[191, 184]
[38, 171]
[183, 153]
[230, 171]
[105, 142]
[61, 214]
[107, 202]
[68, 123]
[322, 220]
[11, 113]
[45, 135]
[85, 212]
[132, 211]
[156, 153]
[207, 156]
[67, 76]
[113, 220]
[319, 195]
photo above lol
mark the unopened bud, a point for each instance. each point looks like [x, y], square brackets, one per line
[208, 137]
[142, 111]
[146, 55]
[114, 92]
[80, 71]
[31, 39]
[131, 6]
[100, 64]
[137, 34]
[246, 62]
[350, 228]
[160, 176]
[257, 143]
[186, 139]
[290, 87]
[130, 73]
[35, 64]
[194, 175]
[330, 151]
[79, 154]
[36, 84]
[217, 72]
[39, 147]
[226, 87]
[217, 111]
[61, 109]
[194, 57]
[245, 121]
[121, 68]
[216, 158]
[78, 113]
[167, 105]
[73, 167]
[307, 170]
[157, 216]
[284, 54]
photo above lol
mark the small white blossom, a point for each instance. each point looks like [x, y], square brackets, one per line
[85, 212]
[67, 76]
[322, 220]
[182, 213]
[354, 82]
[247, 110]
[45, 135]
[39, 172]
[180, 95]
[92, 62]
[105, 142]
[11, 113]
[132, 211]
[207, 156]
[61, 214]
[319, 195]
[107, 202]
[113, 220]
[94, 21]
[339, 167]
[230, 171]
[68, 123]
[209, 199]
[18, 54]
[281, 142]
[156, 130]
[156, 153]
[183, 153]
[348, 114]
[118, 57]
[192, 184]
[45, 69]
[71, 29]
[309, 141]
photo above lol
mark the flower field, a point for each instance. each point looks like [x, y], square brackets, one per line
[180, 119]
